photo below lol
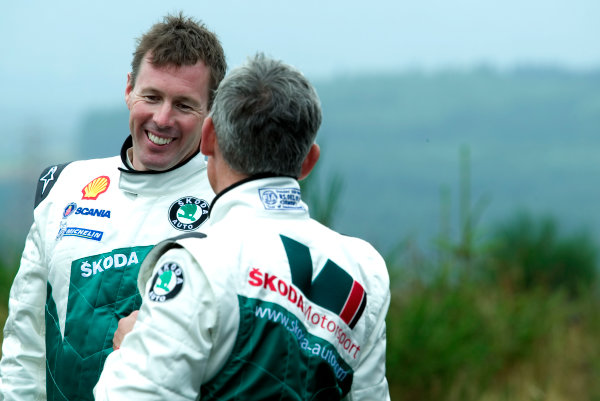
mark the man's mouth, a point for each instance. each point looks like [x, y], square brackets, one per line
[158, 140]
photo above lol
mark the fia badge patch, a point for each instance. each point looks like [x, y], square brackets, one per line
[188, 213]
[281, 198]
[166, 283]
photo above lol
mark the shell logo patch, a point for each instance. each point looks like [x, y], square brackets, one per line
[188, 213]
[166, 283]
[94, 188]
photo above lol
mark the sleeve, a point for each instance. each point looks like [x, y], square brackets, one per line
[166, 354]
[370, 382]
[23, 367]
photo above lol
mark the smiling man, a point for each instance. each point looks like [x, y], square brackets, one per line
[96, 220]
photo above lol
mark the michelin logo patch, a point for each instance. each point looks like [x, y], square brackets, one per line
[281, 198]
[167, 282]
[82, 233]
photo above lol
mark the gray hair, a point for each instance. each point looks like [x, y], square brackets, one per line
[266, 116]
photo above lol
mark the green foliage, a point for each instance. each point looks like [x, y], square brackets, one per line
[528, 253]
[457, 337]
[7, 274]
[8, 270]
[437, 335]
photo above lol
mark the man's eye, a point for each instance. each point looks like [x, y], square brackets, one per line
[151, 98]
[184, 107]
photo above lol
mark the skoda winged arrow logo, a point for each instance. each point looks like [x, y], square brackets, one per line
[188, 213]
[167, 282]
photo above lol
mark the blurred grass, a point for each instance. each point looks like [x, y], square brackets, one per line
[518, 319]
[472, 342]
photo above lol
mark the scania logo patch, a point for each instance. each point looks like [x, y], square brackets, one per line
[69, 209]
[167, 283]
[188, 213]
[93, 212]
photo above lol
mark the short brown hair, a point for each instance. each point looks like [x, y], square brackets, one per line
[180, 40]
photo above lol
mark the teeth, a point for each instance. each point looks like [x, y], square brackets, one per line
[158, 140]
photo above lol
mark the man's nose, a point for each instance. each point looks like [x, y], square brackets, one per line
[163, 115]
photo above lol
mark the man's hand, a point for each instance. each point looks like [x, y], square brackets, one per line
[125, 326]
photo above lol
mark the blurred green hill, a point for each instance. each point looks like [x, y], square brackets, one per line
[533, 136]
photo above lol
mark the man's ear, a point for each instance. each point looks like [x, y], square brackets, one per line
[128, 89]
[209, 137]
[309, 161]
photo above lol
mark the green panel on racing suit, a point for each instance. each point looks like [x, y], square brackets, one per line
[265, 363]
[103, 290]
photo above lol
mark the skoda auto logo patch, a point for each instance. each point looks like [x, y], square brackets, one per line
[188, 213]
[167, 282]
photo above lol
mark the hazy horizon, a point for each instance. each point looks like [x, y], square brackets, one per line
[60, 59]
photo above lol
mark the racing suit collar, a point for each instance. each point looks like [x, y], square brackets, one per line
[248, 191]
[156, 183]
[129, 168]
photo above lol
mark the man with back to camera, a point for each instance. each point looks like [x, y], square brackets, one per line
[266, 304]
[95, 220]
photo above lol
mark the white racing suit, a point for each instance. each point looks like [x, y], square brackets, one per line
[268, 304]
[94, 222]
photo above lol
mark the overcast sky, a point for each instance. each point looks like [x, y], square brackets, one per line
[58, 58]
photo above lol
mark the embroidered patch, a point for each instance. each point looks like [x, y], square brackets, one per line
[47, 179]
[93, 212]
[46, 182]
[95, 188]
[69, 209]
[188, 213]
[280, 198]
[79, 232]
[166, 283]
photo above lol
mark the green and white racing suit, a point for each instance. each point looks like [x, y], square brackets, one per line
[94, 222]
[264, 304]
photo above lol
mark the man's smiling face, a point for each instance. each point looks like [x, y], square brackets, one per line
[167, 106]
